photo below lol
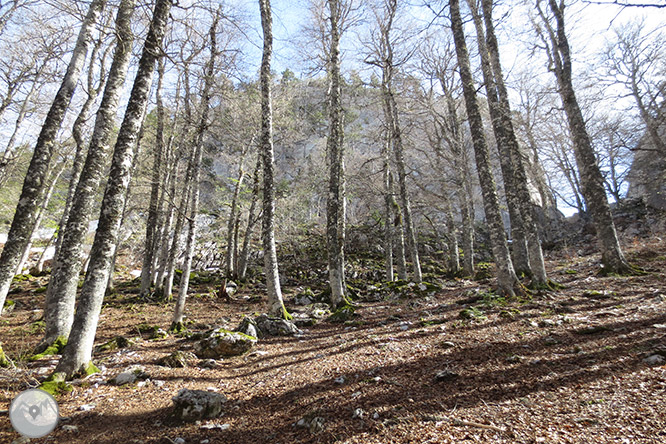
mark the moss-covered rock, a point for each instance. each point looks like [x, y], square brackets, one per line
[196, 405]
[343, 314]
[221, 343]
[178, 359]
[114, 344]
[153, 331]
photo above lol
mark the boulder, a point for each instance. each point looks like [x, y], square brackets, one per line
[196, 405]
[267, 326]
[221, 343]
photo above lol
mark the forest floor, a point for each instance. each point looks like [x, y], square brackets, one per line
[458, 366]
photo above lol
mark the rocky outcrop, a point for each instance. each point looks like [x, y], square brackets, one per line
[195, 405]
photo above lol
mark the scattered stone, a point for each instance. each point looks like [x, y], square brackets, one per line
[257, 353]
[114, 344]
[339, 380]
[446, 375]
[178, 359]
[513, 359]
[215, 426]
[550, 341]
[207, 363]
[248, 327]
[343, 314]
[153, 331]
[194, 405]
[447, 344]
[87, 407]
[306, 297]
[358, 413]
[222, 343]
[404, 325]
[375, 415]
[70, 428]
[129, 376]
[654, 360]
[268, 326]
[124, 378]
[546, 323]
[21, 440]
[659, 326]
[591, 329]
[179, 441]
[303, 320]
[316, 425]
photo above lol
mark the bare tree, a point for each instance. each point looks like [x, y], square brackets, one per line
[61, 290]
[506, 277]
[34, 185]
[177, 323]
[551, 30]
[275, 303]
[78, 352]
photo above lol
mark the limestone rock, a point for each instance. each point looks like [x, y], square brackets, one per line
[195, 405]
[267, 326]
[178, 359]
[222, 343]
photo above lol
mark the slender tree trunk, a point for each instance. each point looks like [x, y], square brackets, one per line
[77, 134]
[62, 287]
[35, 181]
[231, 270]
[35, 229]
[251, 222]
[275, 303]
[592, 181]
[166, 232]
[388, 211]
[398, 232]
[194, 194]
[334, 149]
[78, 352]
[506, 276]
[151, 221]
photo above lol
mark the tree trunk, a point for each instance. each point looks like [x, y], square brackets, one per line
[34, 185]
[334, 149]
[194, 194]
[524, 199]
[151, 221]
[77, 135]
[275, 303]
[35, 229]
[520, 255]
[506, 276]
[388, 211]
[592, 181]
[251, 222]
[78, 352]
[62, 287]
[232, 239]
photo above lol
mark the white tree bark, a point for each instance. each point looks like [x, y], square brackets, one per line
[62, 287]
[78, 352]
[34, 185]
[275, 303]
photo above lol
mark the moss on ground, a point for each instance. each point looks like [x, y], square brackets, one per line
[54, 349]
